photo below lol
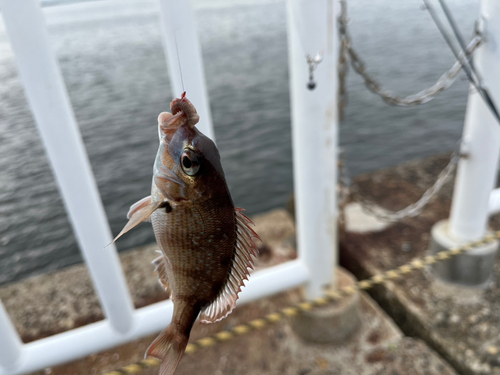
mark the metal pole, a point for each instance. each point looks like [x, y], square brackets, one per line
[54, 117]
[10, 344]
[312, 29]
[494, 202]
[183, 53]
[477, 172]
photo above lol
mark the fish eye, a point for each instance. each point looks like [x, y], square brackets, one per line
[189, 162]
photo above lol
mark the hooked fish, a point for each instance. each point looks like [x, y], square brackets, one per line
[206, 243]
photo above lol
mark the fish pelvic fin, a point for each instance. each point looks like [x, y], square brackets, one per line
[170, 345]
[139, 212]
[245, 251]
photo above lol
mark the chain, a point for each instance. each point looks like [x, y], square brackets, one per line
[343, 189]
[343, 62]
[328, 297]
[347, 53]
[412, 210]
[424, 96]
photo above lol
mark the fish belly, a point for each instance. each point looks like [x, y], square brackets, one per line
[198, 242]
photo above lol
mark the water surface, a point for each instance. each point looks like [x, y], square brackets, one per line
[112, 60]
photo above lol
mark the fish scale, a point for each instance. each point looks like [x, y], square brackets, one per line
[198, 270]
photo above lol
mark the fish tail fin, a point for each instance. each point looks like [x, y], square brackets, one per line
[171, 344]
[169, 348]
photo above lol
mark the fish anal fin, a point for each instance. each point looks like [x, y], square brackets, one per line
[161, 269]
[245, 249]
[139, 212]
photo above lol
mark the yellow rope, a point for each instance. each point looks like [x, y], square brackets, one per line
[330, 296]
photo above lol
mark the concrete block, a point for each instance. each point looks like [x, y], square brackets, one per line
[334, 323]
[473, 268]
[359, 221]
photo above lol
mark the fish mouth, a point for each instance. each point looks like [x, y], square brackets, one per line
[167, 129]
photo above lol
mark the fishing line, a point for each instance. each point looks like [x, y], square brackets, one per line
[485, 94]
[176, 46]
[179, 61]
[467, 67]
[454, 27]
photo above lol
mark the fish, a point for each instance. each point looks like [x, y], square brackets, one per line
[206, 243]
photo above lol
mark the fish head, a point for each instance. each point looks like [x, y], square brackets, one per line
[187, 165]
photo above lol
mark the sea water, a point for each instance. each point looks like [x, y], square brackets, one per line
[112, 60]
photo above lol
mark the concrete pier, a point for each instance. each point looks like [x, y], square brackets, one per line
[461, 323]
[455, 331]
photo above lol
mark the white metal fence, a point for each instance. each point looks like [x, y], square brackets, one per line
[311, 29]
[315, 138]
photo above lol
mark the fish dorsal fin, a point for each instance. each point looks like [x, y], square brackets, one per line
[243, 261]
[139, 212]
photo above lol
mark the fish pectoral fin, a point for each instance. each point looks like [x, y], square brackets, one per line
[144, 202]
[139, 212]
[245, 250]
[161, 269]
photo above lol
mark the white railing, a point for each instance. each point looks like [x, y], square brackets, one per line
[315, 141]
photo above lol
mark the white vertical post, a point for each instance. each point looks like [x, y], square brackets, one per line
[183, 53]
[312, 29]
[49, 102]
[477, 172]
[10, 343]
[494, 202]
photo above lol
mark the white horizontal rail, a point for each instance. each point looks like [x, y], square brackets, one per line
[10, 343]
[80, 342]
[274, 280]
[56, 122]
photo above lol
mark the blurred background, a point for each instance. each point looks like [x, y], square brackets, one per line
[114, 68]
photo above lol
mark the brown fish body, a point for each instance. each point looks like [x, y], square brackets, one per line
[206, 245]
[198, 240]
